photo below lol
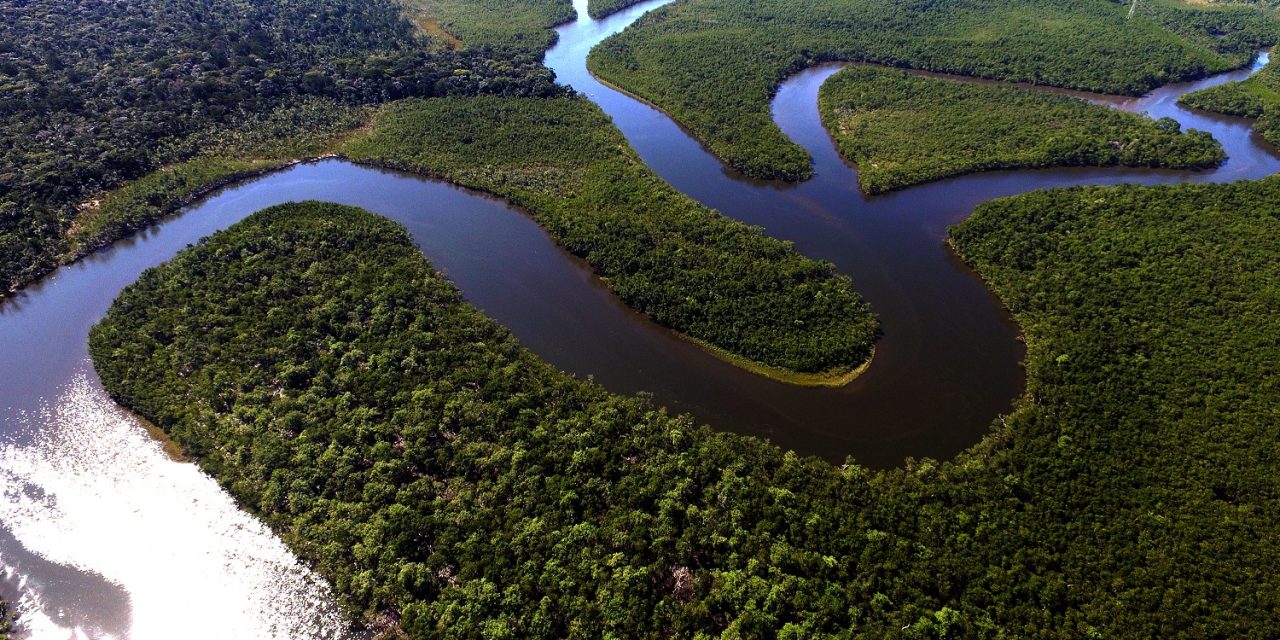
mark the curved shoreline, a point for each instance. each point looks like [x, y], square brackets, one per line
[930, 394]
[833, 379]
[771, 204]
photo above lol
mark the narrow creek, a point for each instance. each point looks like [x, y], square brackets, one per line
[104, 536]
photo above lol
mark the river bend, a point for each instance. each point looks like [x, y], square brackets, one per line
[105, 536]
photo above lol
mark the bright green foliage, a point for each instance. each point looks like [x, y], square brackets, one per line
[687, 267]
[714, 64]
[602, 8]
[1255, 97]
[520, 24]
[903, 129]
[431, 468]
[95, 94]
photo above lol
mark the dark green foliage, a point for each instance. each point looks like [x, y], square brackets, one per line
[1145, 467]
[433, 470]
[903, 129]
[714, 64]
[602, 8]
[93, 94]
[259, 144]
[1256, 97]
[687, 267]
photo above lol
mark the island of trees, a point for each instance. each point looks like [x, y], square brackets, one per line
[602, 8]
[903, 129]
[714, 64]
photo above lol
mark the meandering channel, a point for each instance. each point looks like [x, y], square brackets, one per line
[105, 535]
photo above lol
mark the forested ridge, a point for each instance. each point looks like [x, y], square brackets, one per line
[96, 93]
[714, 64]
[684, 265]
[452, 486]
[904, 129]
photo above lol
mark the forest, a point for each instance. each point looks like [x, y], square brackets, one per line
[903, 128]
[686, 266]
[449, 484]
[602, 8]
[452, 486]
[714, 64]
[94, 94]
[1257, 96]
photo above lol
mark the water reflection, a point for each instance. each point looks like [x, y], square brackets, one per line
[109, 538]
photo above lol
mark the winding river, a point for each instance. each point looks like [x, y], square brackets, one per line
[106, 536]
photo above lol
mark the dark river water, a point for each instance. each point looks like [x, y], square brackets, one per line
[105, 536]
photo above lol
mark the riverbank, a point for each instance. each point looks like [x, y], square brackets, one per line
[681, 61]
[1118, 288]
[677, 268]
[684, 265]
[902, 129]
[834, 378]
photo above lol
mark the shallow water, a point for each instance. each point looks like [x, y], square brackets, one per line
[104, 536]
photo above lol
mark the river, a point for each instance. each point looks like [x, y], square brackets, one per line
[106, 536]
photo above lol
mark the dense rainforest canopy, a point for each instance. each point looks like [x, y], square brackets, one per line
[714, 64]
[714, 279]
[94, 93]
[903, 128]
[450, 485]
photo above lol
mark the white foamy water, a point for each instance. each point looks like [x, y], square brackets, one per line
[92, 490]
